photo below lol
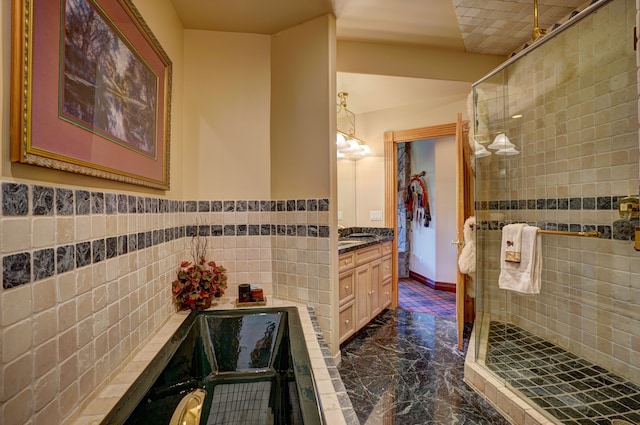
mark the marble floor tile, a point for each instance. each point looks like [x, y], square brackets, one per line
[404, 368]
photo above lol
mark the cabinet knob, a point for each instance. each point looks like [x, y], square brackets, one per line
[346, 287]
[346, 322]
[386, 293]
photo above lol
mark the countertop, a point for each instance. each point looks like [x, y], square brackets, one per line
[362, 238]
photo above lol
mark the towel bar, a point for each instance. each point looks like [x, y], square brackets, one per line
[591, 234]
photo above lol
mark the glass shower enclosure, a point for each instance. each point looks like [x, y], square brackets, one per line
[560, 121]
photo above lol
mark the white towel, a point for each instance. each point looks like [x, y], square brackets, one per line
[512, 241]
[524, 277]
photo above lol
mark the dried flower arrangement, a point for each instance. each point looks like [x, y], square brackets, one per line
[198, 281]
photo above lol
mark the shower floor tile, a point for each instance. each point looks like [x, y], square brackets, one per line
[569, 388]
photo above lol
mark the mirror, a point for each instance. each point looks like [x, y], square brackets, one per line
[361, 192]
[346, 192]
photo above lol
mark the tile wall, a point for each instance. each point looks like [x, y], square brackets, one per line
[578, 143]
[86, 279]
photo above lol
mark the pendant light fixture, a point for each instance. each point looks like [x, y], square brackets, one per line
[503, 145]
[347, 144]
[479, 151]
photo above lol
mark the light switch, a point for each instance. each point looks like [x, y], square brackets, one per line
[375, 215]
[339, 215]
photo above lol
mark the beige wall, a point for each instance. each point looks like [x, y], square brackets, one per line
[303, 160]
[226, 118]
[302, 103]
[369, 191]
[413, 61]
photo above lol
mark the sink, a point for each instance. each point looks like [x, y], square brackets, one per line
[347, 244]
[358, 236]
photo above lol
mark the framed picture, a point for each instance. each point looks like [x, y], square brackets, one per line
[90, 91]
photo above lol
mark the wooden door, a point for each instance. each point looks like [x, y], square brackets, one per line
[464, 208]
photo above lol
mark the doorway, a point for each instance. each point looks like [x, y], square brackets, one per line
[426, 224]
[464, 198]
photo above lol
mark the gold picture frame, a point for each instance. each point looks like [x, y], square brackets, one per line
[90, 91]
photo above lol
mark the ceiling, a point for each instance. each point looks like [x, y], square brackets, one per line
[496, 27]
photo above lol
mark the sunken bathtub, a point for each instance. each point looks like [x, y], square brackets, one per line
[227, 367]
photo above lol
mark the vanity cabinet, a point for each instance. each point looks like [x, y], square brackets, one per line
[346, 288]
[364, 286]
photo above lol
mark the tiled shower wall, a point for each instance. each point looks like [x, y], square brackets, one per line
[86, 279]
[578, 143]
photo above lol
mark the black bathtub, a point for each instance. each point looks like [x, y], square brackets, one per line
[244, 367]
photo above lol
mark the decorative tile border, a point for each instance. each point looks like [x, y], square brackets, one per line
[585, 203]
[592, 203]
[19, 199]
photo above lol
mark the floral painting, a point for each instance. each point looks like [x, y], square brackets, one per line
[106, 87]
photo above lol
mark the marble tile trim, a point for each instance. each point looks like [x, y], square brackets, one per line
[341, 392]
[22, 200]
[573, 205]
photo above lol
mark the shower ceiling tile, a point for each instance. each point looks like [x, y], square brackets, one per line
[491, 27]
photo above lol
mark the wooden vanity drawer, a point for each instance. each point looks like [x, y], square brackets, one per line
[345, 261]
[385, 293]
[386, 267]
[365, 255]
[386, 248]
[345, 286]
[347, 322]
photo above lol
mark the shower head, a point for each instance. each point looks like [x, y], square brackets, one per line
[537, 31]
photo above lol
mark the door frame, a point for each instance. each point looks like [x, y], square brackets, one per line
[391, 138]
